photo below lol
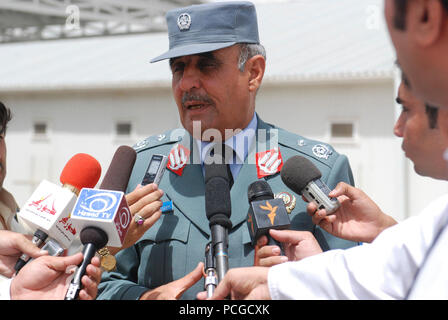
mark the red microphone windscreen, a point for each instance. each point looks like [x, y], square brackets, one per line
[81, 171]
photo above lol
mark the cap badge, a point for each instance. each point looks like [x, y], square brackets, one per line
[184, 21]
[322, 151]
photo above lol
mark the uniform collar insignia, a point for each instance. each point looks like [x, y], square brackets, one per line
[178, 158]
[268, 162]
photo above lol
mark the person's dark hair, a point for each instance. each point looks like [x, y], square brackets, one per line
[432, 114]
[400, 13]
[5, 117]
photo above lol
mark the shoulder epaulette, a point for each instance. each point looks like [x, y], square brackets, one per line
[170, 136]
[320, 151]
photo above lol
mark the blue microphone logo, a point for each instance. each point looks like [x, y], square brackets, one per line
[97, 204]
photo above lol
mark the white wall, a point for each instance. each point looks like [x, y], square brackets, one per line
[78, 122]
[84, 122]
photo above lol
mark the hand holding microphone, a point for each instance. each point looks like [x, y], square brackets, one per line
[358, 219]
[51, 282]
[302, 176]
[12, 245]
[49, 207]
[265, 213]
[144, 201]
[103, 216]
[345, 212]
[45, 277]
[290, 245]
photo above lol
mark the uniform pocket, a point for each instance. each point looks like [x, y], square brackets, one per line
[169, 227]
[163, 250]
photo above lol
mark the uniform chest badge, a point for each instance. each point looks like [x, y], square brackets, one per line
[288, 199]
[268, 162]
[322, 151]
[177, 159]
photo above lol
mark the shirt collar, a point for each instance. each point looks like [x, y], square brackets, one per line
[240, 142]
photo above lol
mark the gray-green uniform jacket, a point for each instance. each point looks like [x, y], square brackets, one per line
[176, 243]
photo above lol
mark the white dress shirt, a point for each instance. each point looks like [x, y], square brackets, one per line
[385, 269]
[432, 281]
[5, 289]
[240, 143]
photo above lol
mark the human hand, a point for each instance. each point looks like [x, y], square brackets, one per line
[53, 279]
[267, 255]
[358, 218]
[296, 245]
[242, 283]
[175, 289]
[145, 201]
[12, 245]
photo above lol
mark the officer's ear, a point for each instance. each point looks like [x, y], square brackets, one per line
[425, 21]
[255, 66]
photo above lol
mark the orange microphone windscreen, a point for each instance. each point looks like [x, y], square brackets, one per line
[81, 171]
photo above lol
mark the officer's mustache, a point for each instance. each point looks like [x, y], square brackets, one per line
[197, 98]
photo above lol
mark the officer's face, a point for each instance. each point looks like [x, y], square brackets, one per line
[422, 145]
[211, 89]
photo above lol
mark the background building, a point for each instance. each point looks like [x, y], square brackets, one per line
[330, 76]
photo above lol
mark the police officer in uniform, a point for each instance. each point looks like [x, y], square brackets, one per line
[217, 64]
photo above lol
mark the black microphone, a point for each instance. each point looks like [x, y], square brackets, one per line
[93, 239]
[218, 210]
[120, 169]
[265, 212]
[302, 177]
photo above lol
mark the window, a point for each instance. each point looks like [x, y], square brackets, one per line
[123, 129]
[342, 130]
[40, 130]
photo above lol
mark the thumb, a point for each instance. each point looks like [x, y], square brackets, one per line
[61, 263]
[201, 295]
[288, 236]
[343, 188]
[25, 245]
[190, 279]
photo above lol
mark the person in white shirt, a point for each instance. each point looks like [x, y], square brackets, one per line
[388, 268]
[385, 269]
[406, 251]
[422, 144]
